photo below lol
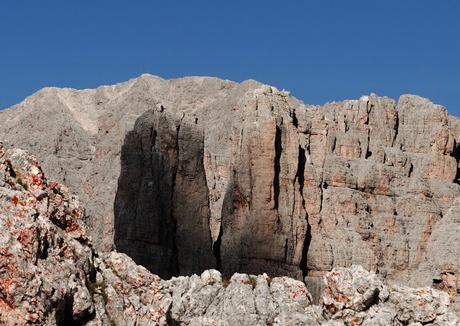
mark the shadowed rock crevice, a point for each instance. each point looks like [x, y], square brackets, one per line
[276, 179]
[456, 155]
[295, 121]
[301, 170]
[216, 251]
[303, 262]
[143, 220]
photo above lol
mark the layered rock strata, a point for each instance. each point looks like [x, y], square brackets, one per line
[246, 178]
[295, 190]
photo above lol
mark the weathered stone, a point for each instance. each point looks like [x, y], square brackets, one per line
[50, 275]
[132, 295]
[245, 178]
[48, 271]
[421, 305]
[355, 296]
[45, 255]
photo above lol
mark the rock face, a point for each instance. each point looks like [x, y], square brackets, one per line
[245, 178]
[161, 204]
[80, 145]
[293, 189]
[51, 275]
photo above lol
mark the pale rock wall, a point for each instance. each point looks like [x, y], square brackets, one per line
[246, 178]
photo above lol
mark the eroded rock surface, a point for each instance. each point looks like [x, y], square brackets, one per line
[245, 178]
[298, 190]
[78, 135]
[49, 272]
[354, 296]
[51, 275]
[44, 252]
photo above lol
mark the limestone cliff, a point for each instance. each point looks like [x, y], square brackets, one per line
[245, 178]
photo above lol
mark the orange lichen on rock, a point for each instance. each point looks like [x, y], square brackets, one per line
[72, 226]
[15, 200]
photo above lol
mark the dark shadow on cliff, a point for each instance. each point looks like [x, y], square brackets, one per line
[161, 205]
[142, 226]
[456, 155]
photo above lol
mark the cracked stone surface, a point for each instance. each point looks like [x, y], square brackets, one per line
[50, 274]
[197, 173]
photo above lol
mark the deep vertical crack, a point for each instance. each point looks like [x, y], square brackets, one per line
[300, 176]
[456, 155]
[277, 166]
[216, 250]
[301, 171]
[306, 245]
[396, 129]
[368, 151]
[174, 264]
[286, 249]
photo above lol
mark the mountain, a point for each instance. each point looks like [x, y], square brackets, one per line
[197, 173]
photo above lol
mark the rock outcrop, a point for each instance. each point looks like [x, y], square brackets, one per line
[51, 275]
[245, 178]
[49, 272]
[352, 296]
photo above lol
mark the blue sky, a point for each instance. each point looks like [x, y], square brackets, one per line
[319, 50]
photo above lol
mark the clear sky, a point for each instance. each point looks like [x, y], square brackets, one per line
[319, 50]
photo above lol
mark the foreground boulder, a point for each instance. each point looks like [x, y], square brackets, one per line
[51, 275]
[49, 272]
[354, 296]
[241, 300]
[45, 255]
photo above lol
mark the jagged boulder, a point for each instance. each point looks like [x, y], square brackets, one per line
[49, 272]
[241, 300]
[128, 294]
[44, 251]
[354, 296]
[352, 288]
